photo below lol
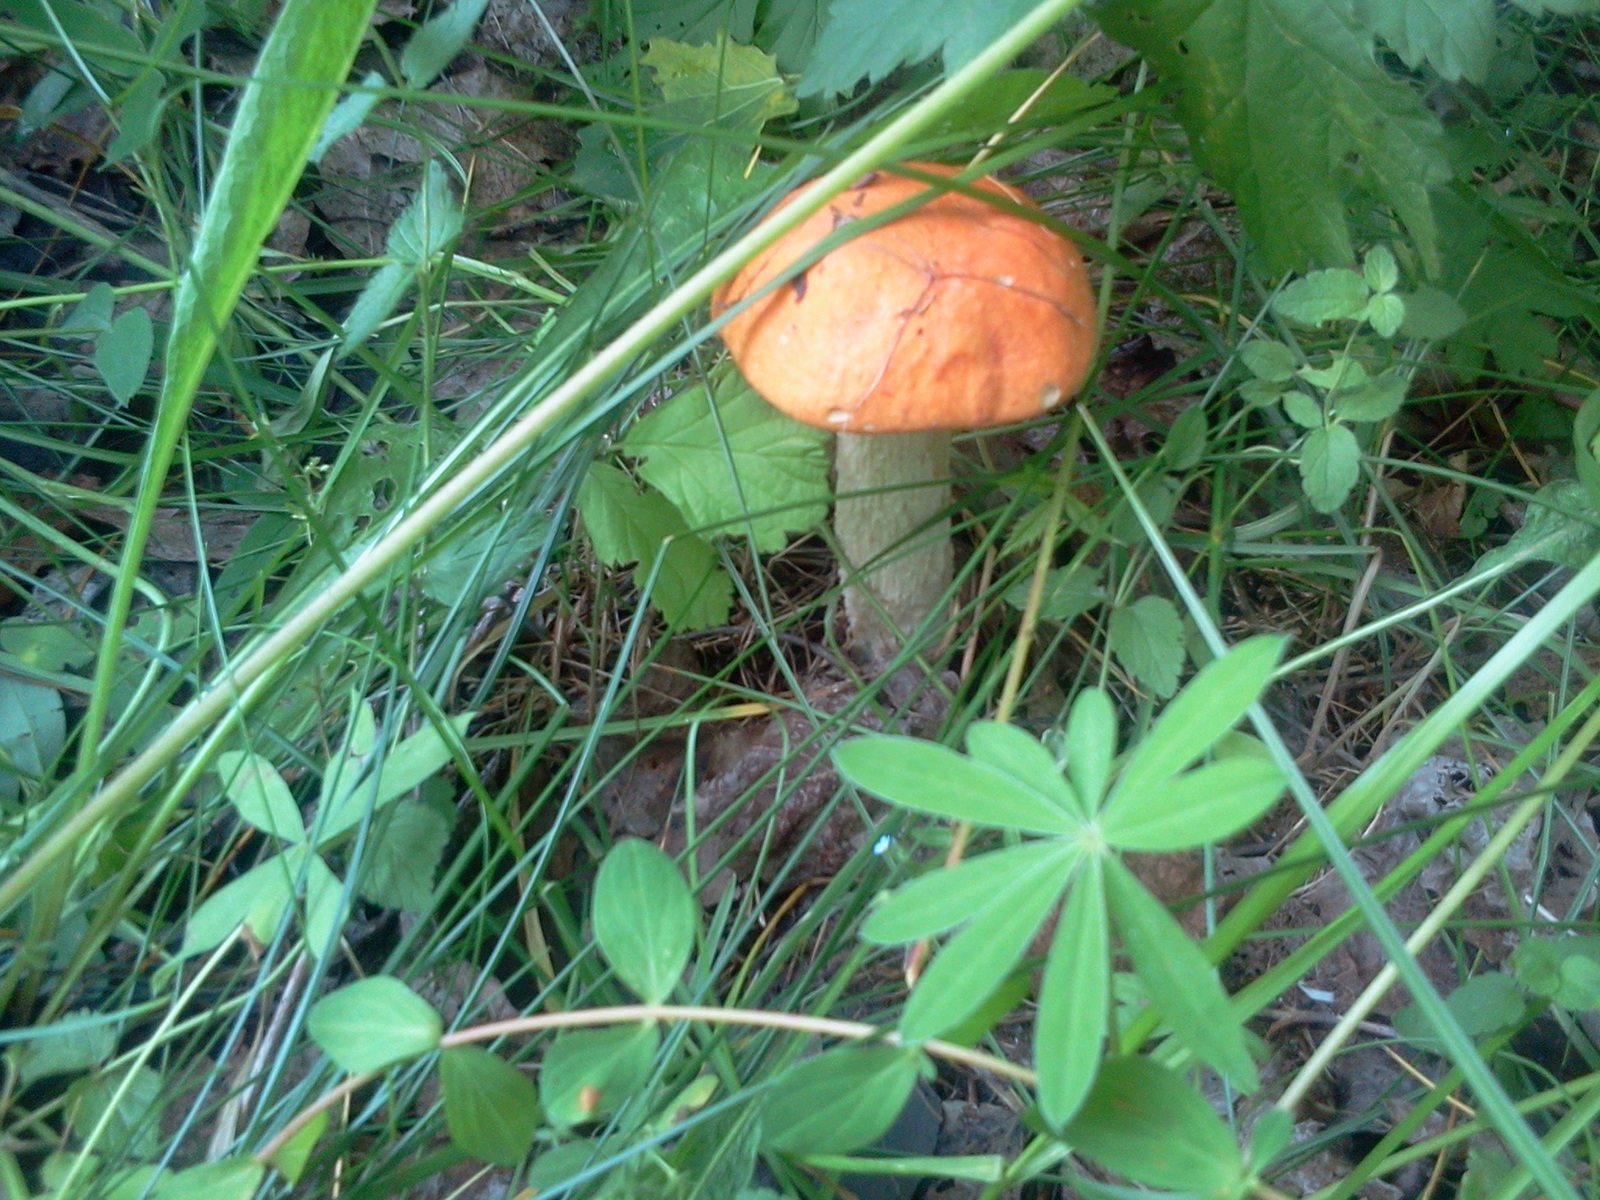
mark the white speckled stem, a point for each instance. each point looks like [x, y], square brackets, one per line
[894, 536]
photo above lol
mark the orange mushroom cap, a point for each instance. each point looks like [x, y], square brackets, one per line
[957, 315]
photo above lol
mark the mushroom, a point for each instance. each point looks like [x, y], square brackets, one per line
[956, 315]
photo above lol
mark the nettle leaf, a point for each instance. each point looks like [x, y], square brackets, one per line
[1483, 1005]
[122, 353]
[588, 1073]
[1069, 1032]
[624, 525]
[644, 918]
[1330, 464]
[1176, 976]
[1020, 755]
[1205, 805]
[1068, 591]
[407, 844]
[372, 1024]
[1147, 638]
[1286, 106]
[1455, 37]
[947, 896]
[866, 39]
[1218, 695]
[1147, 1123]
[720, 455]
[839, 1101]
[1562, 526]
[259, 794]
[490, 1107]
[974, 961]
[733, 85]
[1335, 294]
[930, 778]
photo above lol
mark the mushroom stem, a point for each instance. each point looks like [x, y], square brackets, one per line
[893, 536]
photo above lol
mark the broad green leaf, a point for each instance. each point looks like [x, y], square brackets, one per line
[1011, 991]
[1335, 294]
[1147, 1123]
[644, 918]
[1069, 1032]
[1068, 591]
[93, 313]
[1205, 805]
[409, 763]
[974, 962]
[490, 1107]
[1270, 361]
[254, 787]
[866, 39]
[930, 778]
[78, 1047]
[718, 459]
[840, 1100]
[122, 353]
[225, 1179]
[1287, 108]
[1376, 400]
[438, 40]
[1302, 409]
[1488, 1166]
[1431, 314]
[1147, 638]
[691, 589]
[1186, 440]
[1379, 268]
[725, 83]
[129, 1104]
[138, 117]
[1343, 373]
[1091, 740]
[588, 1073]
[1017, 753]
[1180, 982]
[257, 899]
[1562, 526]
[1330, 464]
[1560, 969]
[324, 901]
[290, 1158]
[479, 557]
[1386, 314]
[947, 896]
[1212, 704]
[372, 1024]
[1483, 1005]
[33, 730]
[1455, 37]
[425, 228]
[405, 848]
[89, 30]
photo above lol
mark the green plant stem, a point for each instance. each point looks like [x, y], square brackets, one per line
[1355, 805]
[1481, 865]
[366, 568]
[627, 1014]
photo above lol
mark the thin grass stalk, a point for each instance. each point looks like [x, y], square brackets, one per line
[1328, 829]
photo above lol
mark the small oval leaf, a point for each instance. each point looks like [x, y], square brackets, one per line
[840, 1100]
[373, 1023]
[490, 1107]
[644, 918]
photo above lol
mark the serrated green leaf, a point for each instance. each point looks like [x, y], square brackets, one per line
[1259, 394]
[1069, 1033]
[348, 115]
[1205, 805]
[1380, 270]
[1330, 464]
[1181, 984]
[1286, 107]
[644, 918]
[973, 962]
[1216, 698]
[1455, 37]
[927, 777]
[122, 353]
[1386, 313]
[1562, 526]
[1431, 314]
[490, 1107]
[588, 1073]
[402, 854]
[1006, 748]
[1147, 638]
[1272, 362]
[1378, 399]
[259, 794]
[372, 1024]
[866, 39]
[426, 226]
[691, 589]
[947, 896]
[1068, 591]
[1147, 1123]
[1302, 409]
[721, 456]
[840, 1100]
[128, 1101]
[1482, 1005]
[722, 83]
[46, 1051]
[33, 731]
[1335, 294]
[1342, 373]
